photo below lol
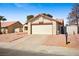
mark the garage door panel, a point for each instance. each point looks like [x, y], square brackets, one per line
[41, 29]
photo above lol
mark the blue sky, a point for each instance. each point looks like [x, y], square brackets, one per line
[19, 11]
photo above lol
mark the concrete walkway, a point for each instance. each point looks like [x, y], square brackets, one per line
[32, 46]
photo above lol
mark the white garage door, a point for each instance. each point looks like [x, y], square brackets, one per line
[41, 29]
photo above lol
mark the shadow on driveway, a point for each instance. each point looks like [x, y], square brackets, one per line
[11, 52]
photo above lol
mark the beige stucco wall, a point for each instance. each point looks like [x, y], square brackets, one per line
[54, 28]
[59, 28]
[41, 19]
[29, 28]
[24, 30]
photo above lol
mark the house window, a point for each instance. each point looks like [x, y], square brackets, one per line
[26, 28]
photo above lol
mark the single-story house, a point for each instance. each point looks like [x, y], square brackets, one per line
[11, 27]
[42, 24]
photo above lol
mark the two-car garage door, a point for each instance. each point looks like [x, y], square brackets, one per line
[42, 29]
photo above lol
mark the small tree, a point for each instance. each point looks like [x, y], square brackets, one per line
[1, 19]
[74, 16]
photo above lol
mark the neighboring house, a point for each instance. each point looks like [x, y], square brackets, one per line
[11, 27]
[72, 29]
[42, 24]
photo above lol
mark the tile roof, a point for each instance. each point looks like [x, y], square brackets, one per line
[6, 24]
[59, 21]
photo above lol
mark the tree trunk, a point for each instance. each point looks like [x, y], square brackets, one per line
[0, 28]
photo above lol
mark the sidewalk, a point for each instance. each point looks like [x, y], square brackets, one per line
[40, 50]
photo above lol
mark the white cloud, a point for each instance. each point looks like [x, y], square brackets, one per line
[18, 5]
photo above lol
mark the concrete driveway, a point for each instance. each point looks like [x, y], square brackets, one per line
[24, 44]
[32, 45]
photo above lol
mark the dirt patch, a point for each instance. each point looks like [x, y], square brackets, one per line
[59, 40]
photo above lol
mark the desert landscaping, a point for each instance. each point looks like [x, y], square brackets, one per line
[23, 44]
